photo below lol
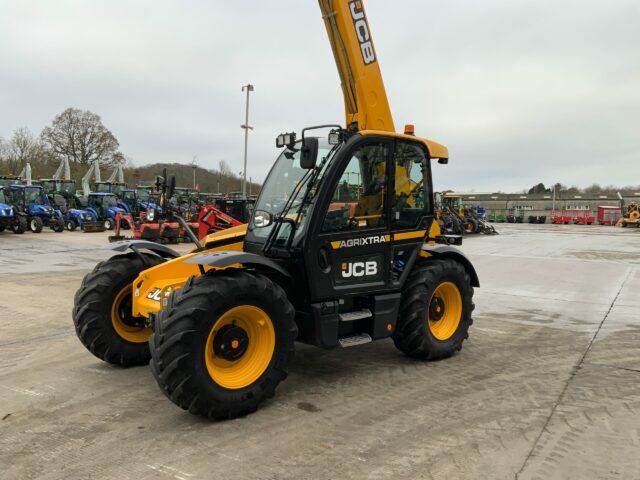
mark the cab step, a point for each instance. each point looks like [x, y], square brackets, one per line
[353, 340]
[357, 315]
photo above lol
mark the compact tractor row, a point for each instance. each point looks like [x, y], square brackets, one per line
[56, 203]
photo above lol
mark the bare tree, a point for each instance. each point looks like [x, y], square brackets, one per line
[223, 168]
[80, 136]
[23, 147]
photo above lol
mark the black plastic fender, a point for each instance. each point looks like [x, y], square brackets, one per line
[447, 251]
[223, 259]
[136, 245]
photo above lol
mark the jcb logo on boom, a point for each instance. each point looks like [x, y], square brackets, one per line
[362, 31]
[359, 269]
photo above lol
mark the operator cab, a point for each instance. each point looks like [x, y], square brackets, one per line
[356, 216]
[102, 202]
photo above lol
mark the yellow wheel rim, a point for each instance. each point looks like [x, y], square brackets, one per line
[445, 311]
[239, 373]
[120, 310]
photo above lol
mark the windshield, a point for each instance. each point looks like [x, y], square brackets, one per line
[3, 197]
[102, 187]
[33, 195]
[68, 186]
[283, 182]
[109, 201]
[143, 195]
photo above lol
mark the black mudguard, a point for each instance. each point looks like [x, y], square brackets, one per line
[137, 245]
[447, 251]
[222, 259]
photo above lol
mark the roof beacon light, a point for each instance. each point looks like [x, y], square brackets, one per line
[409, 129]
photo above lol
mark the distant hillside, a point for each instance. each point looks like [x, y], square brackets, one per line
[211, 181]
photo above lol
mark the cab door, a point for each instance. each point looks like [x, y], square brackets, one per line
[348, 250]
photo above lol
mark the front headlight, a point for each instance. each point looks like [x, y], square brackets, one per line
[151, 214]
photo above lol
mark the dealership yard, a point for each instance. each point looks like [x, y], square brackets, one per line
[547, 386]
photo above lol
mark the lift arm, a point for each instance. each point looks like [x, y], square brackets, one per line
[365, 99]
[117, 174]
[94, 170]
[63, 170]
[25, 174]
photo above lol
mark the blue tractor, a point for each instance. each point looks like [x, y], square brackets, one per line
[10, 218]
[31, 201]
[137, 200]
[104, 208]
[62, 195]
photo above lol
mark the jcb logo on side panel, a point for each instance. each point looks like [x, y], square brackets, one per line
[359, 269]
[362, 31]
[154, 294]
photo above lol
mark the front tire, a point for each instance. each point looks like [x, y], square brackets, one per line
[435, 310]
[108, 224]
[223, 344]
[102, 311]
[72, 225]
[36, 224]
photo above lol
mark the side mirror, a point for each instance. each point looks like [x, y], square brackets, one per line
[261, 219]
[309, 153]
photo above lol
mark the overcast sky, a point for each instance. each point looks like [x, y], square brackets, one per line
[520, 91]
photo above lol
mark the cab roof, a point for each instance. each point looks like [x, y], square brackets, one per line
[435, 149]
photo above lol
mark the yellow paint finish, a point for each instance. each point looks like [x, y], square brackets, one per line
[450, 297]
[225, 235]
[409, 235]
[251, 365]
[170, 275]
[129, 333]
[434, 232]
[365, 98]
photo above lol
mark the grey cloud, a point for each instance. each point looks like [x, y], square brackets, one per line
[520, 91]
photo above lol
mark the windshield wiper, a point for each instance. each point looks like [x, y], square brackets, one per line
[309, 178]
[281, 218]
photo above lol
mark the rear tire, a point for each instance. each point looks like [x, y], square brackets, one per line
[471, 225]
[189, 369]
[419, 333]
[57, 225]
[103, 326]
[35, 224]
[20, 226]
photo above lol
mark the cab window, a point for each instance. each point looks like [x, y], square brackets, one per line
[411, 199]
[358, 201]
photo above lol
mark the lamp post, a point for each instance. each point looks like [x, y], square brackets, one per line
[194, 166]
[249, 88]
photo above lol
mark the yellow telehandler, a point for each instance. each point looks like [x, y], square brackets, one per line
[342, 249]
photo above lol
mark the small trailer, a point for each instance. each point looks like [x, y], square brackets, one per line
[583, 217]
[560, 218]
[609, 215]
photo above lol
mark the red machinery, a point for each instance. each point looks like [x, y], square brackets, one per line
[583, 217]
[159, 231]
[609, 215]
[210, 220]
[560, 218]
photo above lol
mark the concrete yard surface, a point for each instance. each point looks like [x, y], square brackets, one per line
[546, 386]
